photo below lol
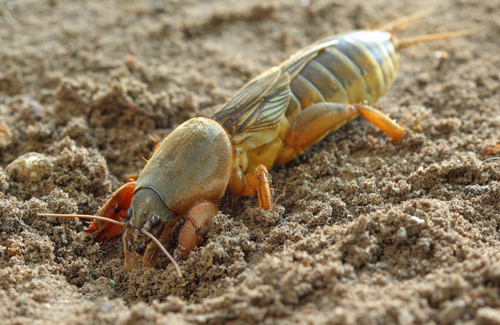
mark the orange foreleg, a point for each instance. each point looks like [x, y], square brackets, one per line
[115, 208]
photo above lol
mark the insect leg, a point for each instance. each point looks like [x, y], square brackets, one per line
[250, 183]
[126, 249]
[115, 208]
[149, 255]
[381, 120]
[259, 180]
[197, 225]
[319, 120]
[152, 251]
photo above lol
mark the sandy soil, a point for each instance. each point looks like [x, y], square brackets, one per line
[369, 232]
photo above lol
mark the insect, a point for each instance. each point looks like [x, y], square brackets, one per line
[273, 119]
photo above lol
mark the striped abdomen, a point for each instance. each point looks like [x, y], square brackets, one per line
[352, 68]
[359, 68]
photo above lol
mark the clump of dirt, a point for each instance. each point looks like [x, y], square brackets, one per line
[369, 230]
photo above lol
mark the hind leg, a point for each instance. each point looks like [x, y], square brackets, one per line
[319, 120]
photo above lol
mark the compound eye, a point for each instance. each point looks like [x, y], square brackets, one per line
[128, 215]
[154, 220]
